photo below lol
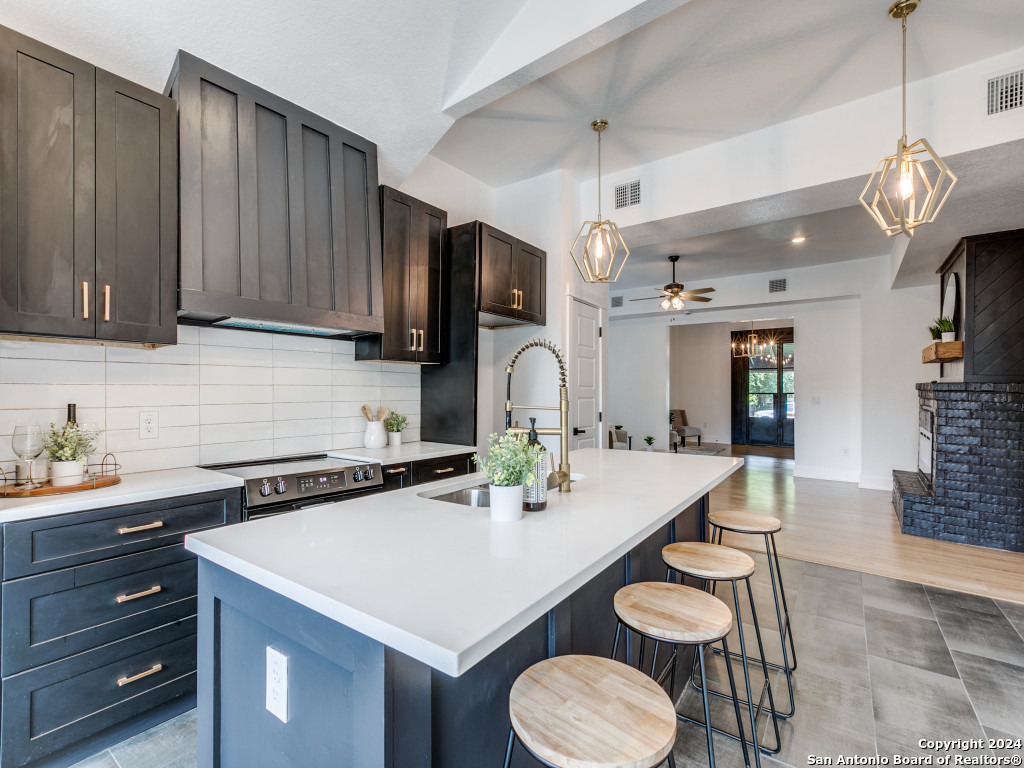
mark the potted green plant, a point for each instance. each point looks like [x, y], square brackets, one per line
[68, 446]
[650, 442]
[935, 332]
[618, 426]
[394, 424]
[946, 327]
[509, 466]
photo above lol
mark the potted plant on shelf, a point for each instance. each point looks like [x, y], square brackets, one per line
[394, 424]
[68, 447]
[946, 327]
[935, 332]
[509, 465]
[650, 442]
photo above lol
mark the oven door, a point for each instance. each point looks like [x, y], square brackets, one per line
[314, 501]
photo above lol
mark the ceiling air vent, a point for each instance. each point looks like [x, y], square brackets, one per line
[616, 301]
[1006, 92]
[777, 285]
[627, 194]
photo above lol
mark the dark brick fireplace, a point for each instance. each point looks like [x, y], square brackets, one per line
[977, 493]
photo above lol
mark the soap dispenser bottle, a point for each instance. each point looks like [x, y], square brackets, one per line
[535, 495]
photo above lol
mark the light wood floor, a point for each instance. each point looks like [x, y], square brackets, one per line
[842, 525]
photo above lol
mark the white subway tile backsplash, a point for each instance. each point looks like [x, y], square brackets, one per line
[220, 395]
[232, 375]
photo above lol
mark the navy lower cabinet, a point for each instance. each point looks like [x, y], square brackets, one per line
[364, 704]
[98, 625]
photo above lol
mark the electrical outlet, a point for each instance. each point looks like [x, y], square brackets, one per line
[815, 399]
[277, 684]
[705, 425]
[846, 451]
[149, 425]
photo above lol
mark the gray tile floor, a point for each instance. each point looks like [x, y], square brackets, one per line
[883, 664]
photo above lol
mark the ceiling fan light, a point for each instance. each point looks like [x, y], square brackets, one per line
[665, 304]
[677, 303]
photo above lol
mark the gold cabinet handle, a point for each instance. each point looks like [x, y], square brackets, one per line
[412, 335]
[85, 300]
[420, 348]
[137, 528]
[151, 671]
[137, 595]
[444, 471]
[106, 303]
[399, 471]
[520, 299]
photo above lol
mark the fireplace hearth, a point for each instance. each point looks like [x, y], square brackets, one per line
[975, 492]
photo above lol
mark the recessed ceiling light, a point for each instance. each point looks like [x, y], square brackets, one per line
[799, 239]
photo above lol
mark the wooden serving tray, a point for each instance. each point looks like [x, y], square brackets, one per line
[11, 491]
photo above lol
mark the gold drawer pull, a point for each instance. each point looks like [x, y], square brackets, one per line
[398, 471]
[137, 595]
[151, 671]
[146, 527]
[106, 303]
[444, 471]
[412, 336]
[85, 300]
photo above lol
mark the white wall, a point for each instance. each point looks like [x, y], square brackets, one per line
[858, 350]
[220, 395]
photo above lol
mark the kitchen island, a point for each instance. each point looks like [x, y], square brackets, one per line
[405, 619]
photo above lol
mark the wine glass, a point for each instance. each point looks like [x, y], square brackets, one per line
[27, 442]
[92, 431]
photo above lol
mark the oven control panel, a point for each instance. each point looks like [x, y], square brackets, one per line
[324, 481]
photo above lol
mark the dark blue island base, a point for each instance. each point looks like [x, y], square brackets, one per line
[354, 702]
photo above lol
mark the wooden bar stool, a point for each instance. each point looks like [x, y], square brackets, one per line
[751, 523]
[679, 615]
[712, 563]
[589, 712]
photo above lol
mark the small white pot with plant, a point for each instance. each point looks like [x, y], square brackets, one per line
[946, 328]
[395, 423]
[509, 466]
[69, 447]
[650, 442]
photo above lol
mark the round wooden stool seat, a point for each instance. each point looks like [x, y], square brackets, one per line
[590, 712]
[708, 561]
[673, 612]
[744, 522]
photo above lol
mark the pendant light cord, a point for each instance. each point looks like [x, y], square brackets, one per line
[904, 20]
[599, 173]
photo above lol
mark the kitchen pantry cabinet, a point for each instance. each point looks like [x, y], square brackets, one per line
[98, 625]
[279, 214]
[88, 200]
[512, 280]
[414, 237]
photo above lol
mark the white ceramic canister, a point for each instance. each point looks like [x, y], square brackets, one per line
[376, 436]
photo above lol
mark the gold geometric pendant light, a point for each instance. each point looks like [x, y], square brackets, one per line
[903, 193]
[603, 252]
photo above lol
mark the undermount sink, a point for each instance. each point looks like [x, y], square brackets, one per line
[478, 496]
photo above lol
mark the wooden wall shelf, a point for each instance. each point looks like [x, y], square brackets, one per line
[941, 351]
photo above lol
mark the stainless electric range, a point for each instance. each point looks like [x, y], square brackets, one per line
[283, 484]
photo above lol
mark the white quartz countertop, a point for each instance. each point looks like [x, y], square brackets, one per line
[398, 454]
[141, 486]
[439, 581]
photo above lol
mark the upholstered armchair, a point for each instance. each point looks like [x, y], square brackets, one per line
[620, 440]
[681, 429]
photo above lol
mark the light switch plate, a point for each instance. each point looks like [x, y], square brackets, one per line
[277, 684]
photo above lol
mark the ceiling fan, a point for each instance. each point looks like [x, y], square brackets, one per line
[674, 294]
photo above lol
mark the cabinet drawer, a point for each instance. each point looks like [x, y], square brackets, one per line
[397, 476]
[54, 615]
[49, 543]
[429, 470]
[53, 708]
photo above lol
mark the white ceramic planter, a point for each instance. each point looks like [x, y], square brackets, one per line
[394, 438]
[66, 473]
[650, 448]
[506, 503]
[949, 336]
[376, 436]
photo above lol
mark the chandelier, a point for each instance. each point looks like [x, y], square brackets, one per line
[603, 251]
[902, 193]
[746, 344]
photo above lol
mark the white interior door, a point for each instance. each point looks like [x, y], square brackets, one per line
[584, 376]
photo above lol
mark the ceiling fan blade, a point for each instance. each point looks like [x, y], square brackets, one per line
[695, 298]
[650, 298]
[701, 290]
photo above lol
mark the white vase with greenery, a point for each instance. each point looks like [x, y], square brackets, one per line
[509, 466]
[395, 423]
[69, 447]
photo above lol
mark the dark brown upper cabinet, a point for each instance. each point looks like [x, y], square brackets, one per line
[279, 213]
[512, 280]
[88, 200]
[414, 236]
